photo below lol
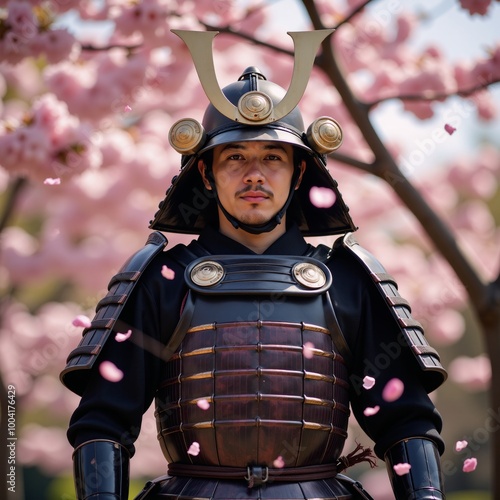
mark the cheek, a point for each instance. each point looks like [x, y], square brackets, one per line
[224, 179]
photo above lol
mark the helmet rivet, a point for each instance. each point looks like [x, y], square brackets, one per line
[324, 135]
[187, 136]
[255, 106]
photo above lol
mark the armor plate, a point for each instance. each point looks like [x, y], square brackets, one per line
[257, 375]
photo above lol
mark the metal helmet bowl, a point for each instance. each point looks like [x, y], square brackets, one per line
[188, 206]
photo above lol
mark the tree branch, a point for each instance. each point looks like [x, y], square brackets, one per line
[430, 95]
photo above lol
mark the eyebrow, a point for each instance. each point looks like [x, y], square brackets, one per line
[242, 146]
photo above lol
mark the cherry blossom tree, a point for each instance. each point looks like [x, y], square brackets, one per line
[89, 91]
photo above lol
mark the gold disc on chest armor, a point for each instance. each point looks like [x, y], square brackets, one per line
[309, 275]
[207, 273]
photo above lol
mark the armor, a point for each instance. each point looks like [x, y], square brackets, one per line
[252, 360]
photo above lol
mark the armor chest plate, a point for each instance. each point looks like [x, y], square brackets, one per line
[257, 375]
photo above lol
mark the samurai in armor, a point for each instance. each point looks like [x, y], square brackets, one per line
[256, 348]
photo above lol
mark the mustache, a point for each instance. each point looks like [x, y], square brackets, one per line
[257, 188]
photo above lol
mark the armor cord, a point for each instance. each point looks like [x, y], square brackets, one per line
[359, 454]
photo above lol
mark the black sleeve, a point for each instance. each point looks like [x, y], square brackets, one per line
[113, 410]
[379, 351]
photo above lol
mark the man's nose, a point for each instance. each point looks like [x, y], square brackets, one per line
[254, 172]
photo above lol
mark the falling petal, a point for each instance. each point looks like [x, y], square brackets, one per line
[167, 273]
[470, 464]
[449, 129]
[121, 337]
[110, 372]
[308, 350]
[49, 181]
[203, 404]
[82, 320]
[368, 411]
[402, 469]
[461, 445]
[368, 382]
[127, 108]
[322, 197]
[194, 449]
[393, 390]
[279, 463]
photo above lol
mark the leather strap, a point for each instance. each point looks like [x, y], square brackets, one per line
[255, 474]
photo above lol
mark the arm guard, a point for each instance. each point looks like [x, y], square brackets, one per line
[108, 310]
[101, 471]
[424, 480]
[413, 334]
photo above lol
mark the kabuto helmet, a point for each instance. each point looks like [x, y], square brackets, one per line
[253, 109]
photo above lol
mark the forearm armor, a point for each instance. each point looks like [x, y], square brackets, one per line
[423, 481]
[101, 471]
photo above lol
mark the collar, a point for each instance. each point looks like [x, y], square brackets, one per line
[290, 243]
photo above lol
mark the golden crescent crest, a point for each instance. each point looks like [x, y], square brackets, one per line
[306, 44]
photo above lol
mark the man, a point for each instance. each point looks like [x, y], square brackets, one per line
[253, 342]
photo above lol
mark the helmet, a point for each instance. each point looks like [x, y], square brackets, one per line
[189, 206]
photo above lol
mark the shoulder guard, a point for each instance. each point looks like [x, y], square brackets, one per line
[412, 331]
[108, 310]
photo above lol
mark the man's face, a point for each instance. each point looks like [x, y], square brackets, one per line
[253, 178]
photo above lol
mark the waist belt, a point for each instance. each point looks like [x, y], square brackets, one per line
[255, 475]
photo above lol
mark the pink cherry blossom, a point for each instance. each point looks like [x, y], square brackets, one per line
[82, 320]
[279, 463]
[121, 337]
[167, 273]
[308, 350]
[322, 197]
[472, 373]
[470, 464]
[49, 181]
[393, 390]
[369, 411]
[449, 129]
[368, 382]
[203, 404]
[194, 449]
[110, 371]
[402, 469]
[461, 445]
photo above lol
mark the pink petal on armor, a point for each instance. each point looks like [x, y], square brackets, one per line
[194, 449]
[121, 337]
[322, 197]
[279, 463]
[167, 273]
[308, 350]
[368, 382]
[203, 404]
[393, 390]
[402, 469]
[110, 372]
[368, 411]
